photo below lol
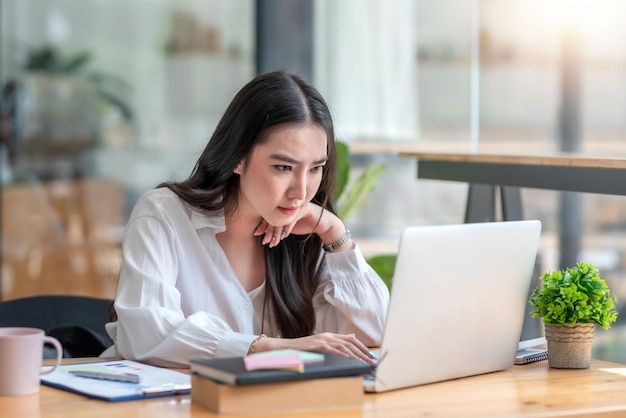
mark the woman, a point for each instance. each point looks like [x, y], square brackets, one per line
[247, 254]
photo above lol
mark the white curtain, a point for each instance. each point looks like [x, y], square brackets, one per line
[366, 67]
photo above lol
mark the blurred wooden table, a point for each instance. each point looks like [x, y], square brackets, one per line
[485, 171]
[533, 390]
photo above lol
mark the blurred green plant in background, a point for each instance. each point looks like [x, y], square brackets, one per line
[349, 196]
[110, 88]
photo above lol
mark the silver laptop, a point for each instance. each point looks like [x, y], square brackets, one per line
[458, 300]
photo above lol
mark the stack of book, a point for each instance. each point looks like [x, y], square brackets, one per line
[278, 381]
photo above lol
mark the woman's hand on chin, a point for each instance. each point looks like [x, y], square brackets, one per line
[311, 218]
[272, 235]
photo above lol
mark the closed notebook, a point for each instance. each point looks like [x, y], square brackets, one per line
[232, 370]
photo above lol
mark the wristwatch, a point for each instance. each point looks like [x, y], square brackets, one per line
[342, 240]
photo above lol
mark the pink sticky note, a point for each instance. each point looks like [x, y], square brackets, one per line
[285, 361]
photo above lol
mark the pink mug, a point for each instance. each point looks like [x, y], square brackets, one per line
[21, 352]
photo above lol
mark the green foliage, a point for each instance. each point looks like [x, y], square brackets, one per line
[384, 265]
[574, 295]
[343, 169]
[49, 60]
[359, 190]
[348, 198]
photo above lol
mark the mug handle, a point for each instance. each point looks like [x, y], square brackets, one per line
[59, 350]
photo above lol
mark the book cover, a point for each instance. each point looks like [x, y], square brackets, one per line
[232, 370]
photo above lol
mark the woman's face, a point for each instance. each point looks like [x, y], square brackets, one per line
[283, 173]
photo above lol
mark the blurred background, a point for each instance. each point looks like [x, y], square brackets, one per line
[103, 100]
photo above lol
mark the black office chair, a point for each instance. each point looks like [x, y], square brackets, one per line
[76, 321]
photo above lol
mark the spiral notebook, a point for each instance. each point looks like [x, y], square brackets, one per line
[530, 355]
[529, 351]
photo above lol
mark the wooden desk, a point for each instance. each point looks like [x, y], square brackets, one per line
[552, 171]
[533, 390]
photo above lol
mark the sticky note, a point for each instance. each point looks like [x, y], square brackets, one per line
[282, 362]
[307, 357]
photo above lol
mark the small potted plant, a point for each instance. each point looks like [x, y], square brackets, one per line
[572, 302]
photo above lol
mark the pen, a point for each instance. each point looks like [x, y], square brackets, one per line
[117, 377]
[168, 388]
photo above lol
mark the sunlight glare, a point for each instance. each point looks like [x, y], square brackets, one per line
[595, 22]
[615, 370]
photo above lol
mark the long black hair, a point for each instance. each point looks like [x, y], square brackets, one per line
[292, 268]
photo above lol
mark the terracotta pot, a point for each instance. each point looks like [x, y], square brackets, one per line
[569, 346]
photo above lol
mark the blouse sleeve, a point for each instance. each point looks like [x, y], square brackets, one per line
[352, 298]
[151, 324]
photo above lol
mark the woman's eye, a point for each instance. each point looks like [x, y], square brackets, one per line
[317, 169]
[283, 168]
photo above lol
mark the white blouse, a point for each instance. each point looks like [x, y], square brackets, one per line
[178, 297]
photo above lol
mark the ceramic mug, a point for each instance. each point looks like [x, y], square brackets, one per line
[21, 353]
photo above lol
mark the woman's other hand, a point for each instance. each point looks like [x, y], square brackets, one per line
[346, 345]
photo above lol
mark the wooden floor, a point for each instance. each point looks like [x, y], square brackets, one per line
[61, 238]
